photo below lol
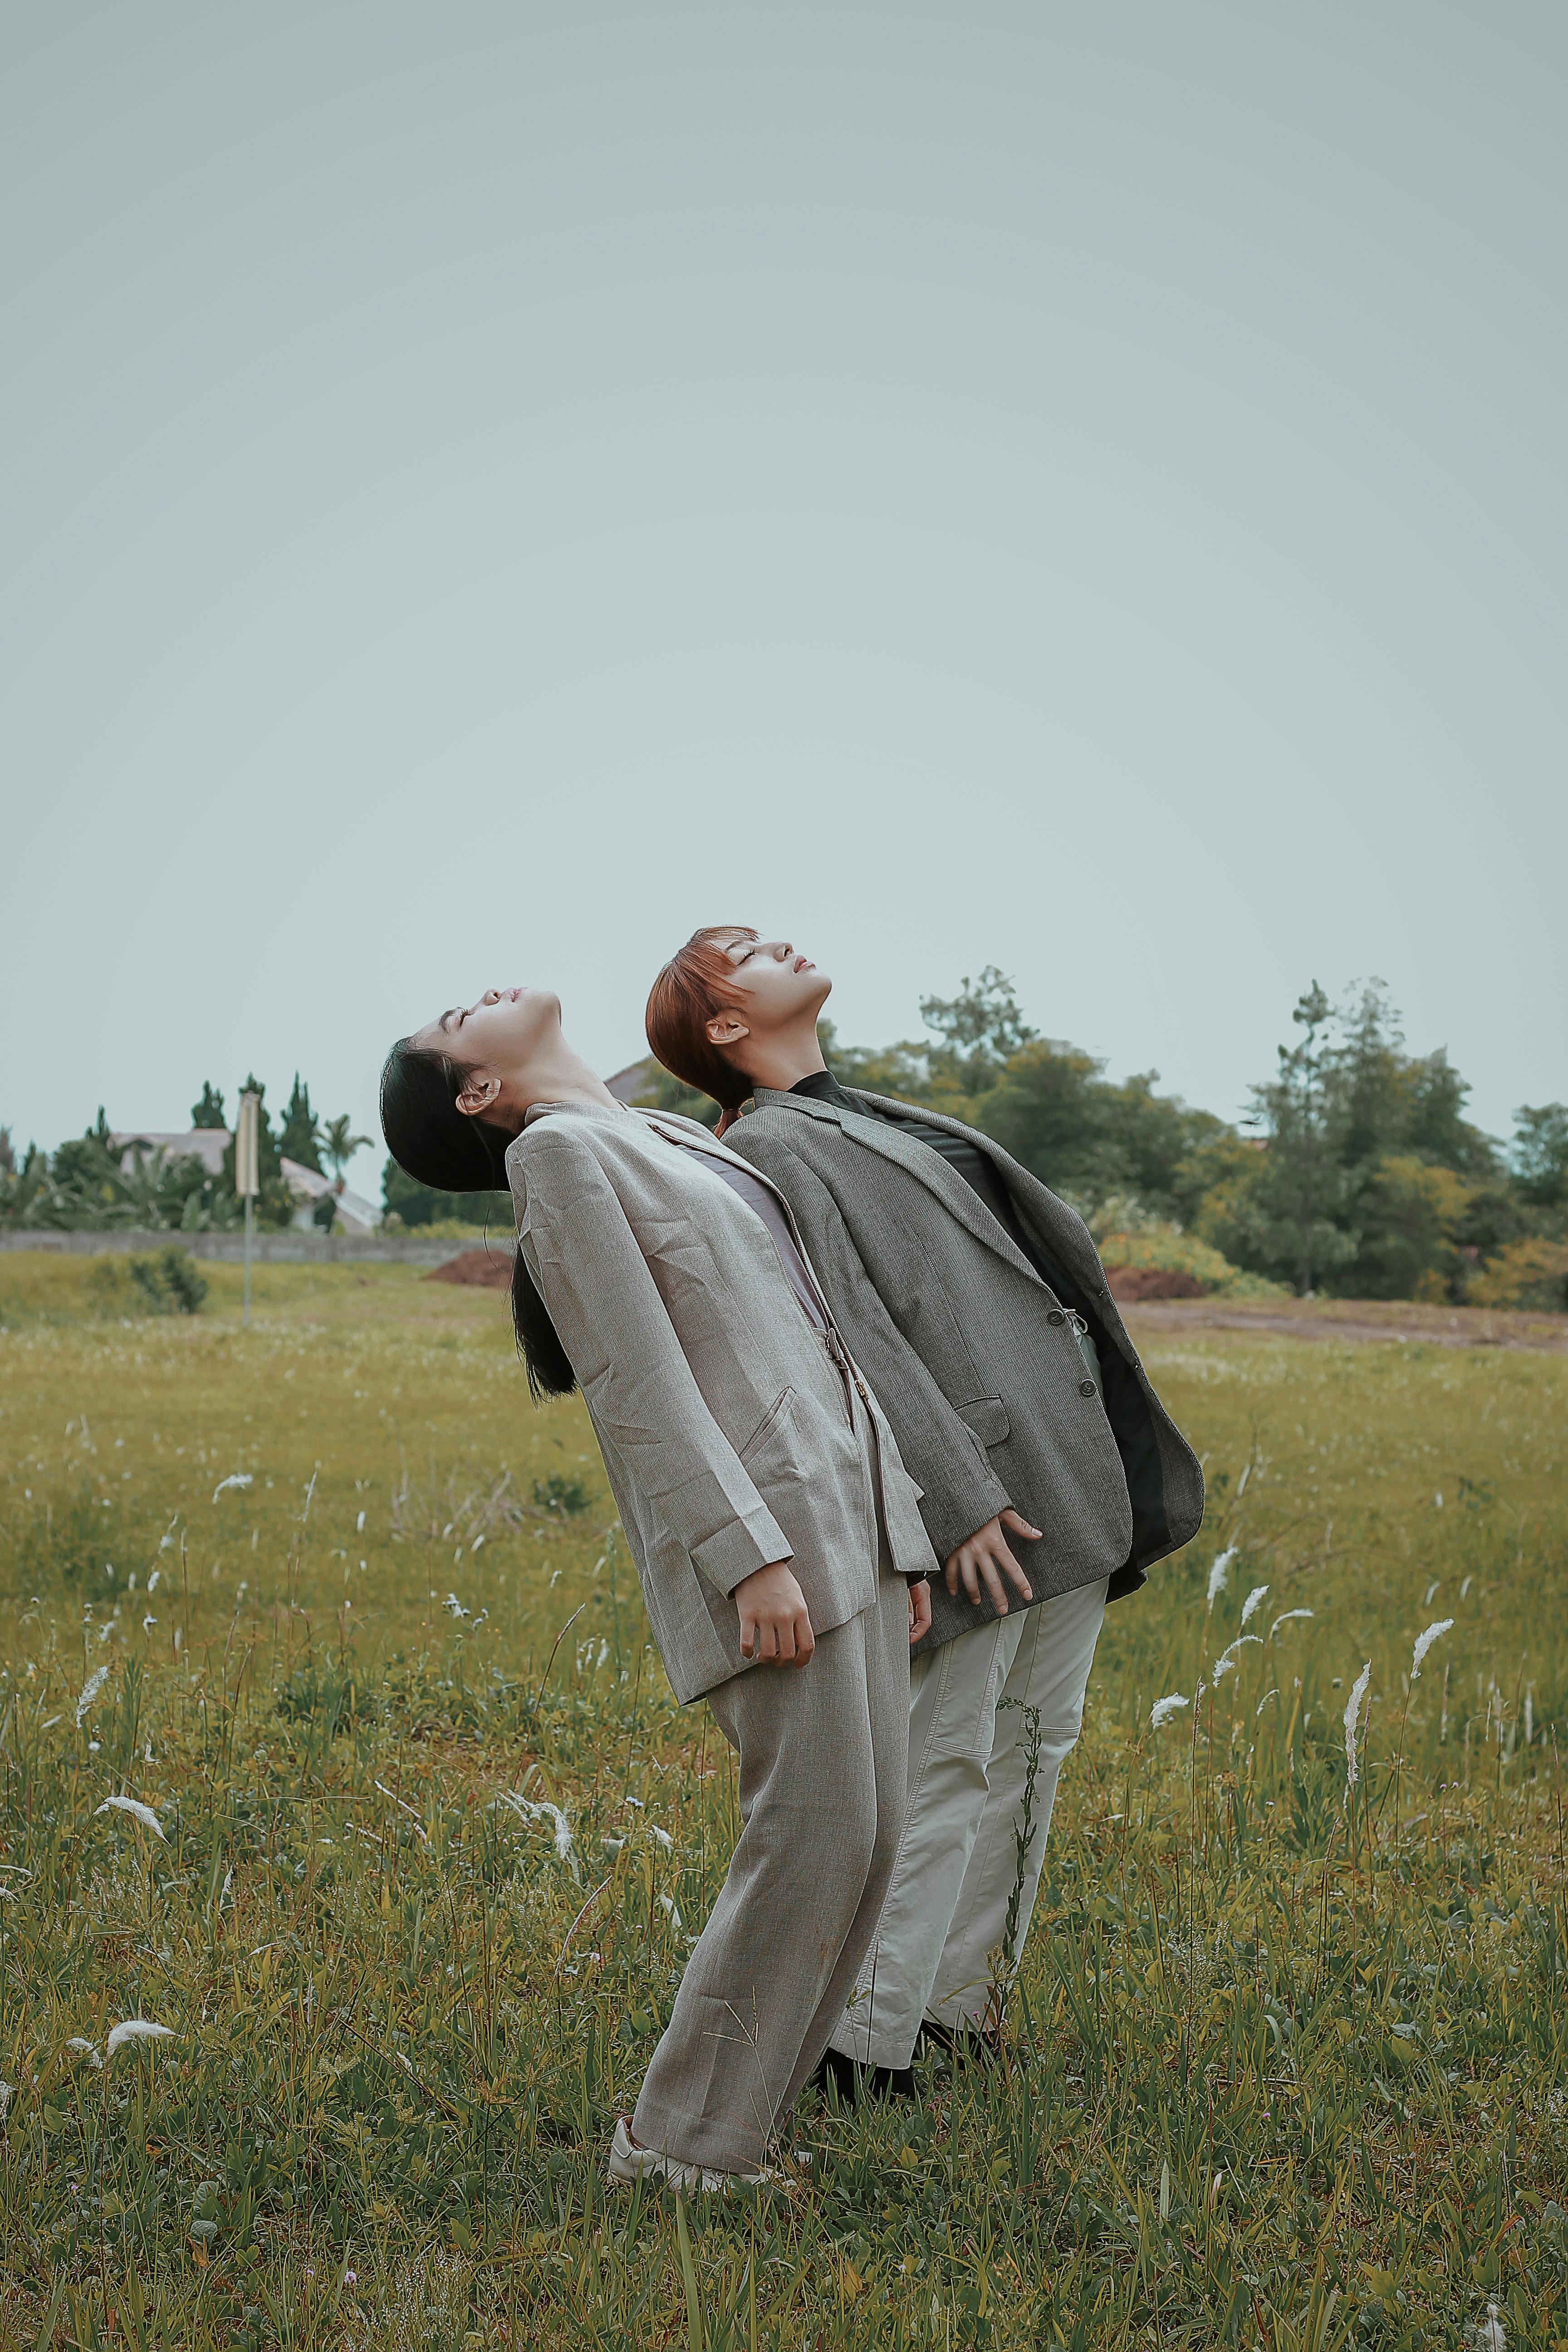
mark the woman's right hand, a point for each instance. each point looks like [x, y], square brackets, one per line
[775, 1626]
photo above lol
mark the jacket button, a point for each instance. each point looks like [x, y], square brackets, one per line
[1056, 1316]
[1086, 1387]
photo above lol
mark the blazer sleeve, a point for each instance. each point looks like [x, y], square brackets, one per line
[605, 1304]
[940, 1451]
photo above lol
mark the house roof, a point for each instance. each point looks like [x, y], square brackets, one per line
[206, 1144]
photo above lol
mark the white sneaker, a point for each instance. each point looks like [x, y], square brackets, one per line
[628, 2163]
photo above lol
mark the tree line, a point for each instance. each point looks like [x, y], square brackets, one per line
[94, 1183]
[1356, 1171]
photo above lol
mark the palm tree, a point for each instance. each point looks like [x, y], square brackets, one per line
[340, 1145]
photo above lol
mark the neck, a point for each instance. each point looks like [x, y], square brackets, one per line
[783, 1061]
[559, 1075]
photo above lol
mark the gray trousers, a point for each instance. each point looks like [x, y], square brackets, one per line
[824, 1757]
[941, 1947]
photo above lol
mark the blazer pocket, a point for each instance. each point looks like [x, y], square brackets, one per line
[772, 1422]
[987, 1417]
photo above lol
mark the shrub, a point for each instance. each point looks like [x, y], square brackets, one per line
[169, 1282]
[1529, 1273]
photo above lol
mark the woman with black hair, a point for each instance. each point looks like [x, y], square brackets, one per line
[762, 1497]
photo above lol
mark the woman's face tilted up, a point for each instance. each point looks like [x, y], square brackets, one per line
[777, 991]
[497, 1039]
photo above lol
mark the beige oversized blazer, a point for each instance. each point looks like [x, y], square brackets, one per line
[733, 1433]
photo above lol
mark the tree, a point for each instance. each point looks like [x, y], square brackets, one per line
[340, 1143]
[1539, 1154]
[208, 1112]
[1047, 1109]
[405, 1198]
[300, 1140]
[981, 1028]
[1295, 1209]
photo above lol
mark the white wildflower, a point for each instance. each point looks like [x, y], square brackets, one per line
[1226, 1665]
[1424, 1643]
[533, 1809]
[1353, 1712]
[665, 1903]
[148, 1623]
[137, 2028]
[452, 1606]
[1284, 1619]
[1254, 1601]
[1219, 1572]
[1164, 1708]
[89, 1691]
[235, 1478]
[132, 1805]
[152, 1580]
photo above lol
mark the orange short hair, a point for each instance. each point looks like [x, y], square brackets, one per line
[696, 983]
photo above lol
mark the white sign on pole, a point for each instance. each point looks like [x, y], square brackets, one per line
[246, 1180]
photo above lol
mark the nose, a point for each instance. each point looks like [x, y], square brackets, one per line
[784, 949]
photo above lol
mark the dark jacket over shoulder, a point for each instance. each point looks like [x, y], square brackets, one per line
[971, 1354]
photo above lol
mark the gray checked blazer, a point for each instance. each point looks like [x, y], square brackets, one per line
[734, 1434]
[972, 1355]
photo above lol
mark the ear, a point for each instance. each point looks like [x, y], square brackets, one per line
[725, 1029]
[479, 1094]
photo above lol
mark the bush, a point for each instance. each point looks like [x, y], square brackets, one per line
[1529, 1273]
[169, 1282]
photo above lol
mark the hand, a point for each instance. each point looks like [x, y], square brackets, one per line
[978, 1560]
[920, 1610]
[775, 1626]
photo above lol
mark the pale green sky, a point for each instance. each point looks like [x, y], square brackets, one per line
[485, 489]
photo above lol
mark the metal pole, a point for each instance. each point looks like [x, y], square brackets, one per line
[248, 1261]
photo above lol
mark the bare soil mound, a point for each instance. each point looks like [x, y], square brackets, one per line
[481, 1269]
[1131, 1283]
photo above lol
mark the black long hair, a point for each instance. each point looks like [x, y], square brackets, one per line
[440, 1145]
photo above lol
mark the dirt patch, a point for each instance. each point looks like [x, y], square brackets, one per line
[1132, 1282]
[478, 1269]
[1397, 1322]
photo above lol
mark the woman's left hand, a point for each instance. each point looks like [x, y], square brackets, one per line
[919, 1611]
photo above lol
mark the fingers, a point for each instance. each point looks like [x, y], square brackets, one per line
[1019, 1526]
[919, 1611]
[1019, 1580]
[803, 1639]
[950, 1574]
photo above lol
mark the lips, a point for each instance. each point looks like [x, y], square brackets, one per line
[803, 963]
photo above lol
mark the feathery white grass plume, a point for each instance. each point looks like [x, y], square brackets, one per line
[85, 2048]
[1284, 1619]
[1488, 2334]
[533, 1808]
[137, 2028]
[8, 2090]
[1164, 1708]
[136, 1808]
[1225, 1664]
[665, 1841]
[1424, 1643]
[89, 1691]
[1219, 1572]
[1353, 1712]
[1254, 1601]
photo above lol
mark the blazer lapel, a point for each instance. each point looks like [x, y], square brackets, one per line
[1087, 1272]
[918, 1159]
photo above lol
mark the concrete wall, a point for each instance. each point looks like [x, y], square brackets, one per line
[274, 1248]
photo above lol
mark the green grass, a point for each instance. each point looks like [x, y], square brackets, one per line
[1280, 2073]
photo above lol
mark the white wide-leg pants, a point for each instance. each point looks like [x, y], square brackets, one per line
[946, 1908]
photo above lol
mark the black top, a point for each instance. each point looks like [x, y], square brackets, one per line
[978, 1173]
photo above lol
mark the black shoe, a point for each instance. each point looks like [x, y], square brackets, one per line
[853, 2081]
[972, 2046]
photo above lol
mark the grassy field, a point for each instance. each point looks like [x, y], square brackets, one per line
[430, 1840]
